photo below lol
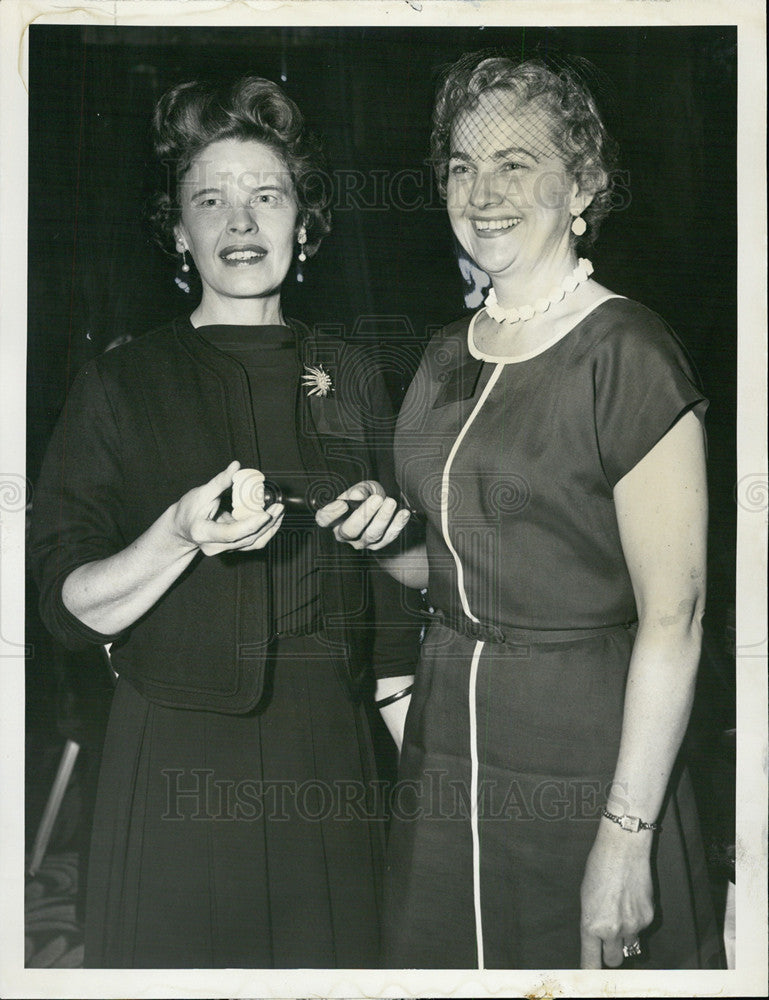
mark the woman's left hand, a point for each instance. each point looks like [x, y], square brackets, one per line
[617, 895]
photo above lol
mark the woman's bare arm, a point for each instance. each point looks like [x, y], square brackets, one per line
[110, 594]
[661, 509]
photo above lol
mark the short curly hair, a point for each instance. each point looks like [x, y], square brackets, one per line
[577, 130]
[191, 116]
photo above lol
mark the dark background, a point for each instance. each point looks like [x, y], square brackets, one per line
[668, 96]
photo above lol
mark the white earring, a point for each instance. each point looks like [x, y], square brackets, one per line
[302, 237]
[182, 249]
[183, 269]
[578, 226]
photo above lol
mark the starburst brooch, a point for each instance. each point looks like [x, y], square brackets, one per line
[317, 381]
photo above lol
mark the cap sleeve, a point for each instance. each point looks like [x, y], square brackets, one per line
[644, 383]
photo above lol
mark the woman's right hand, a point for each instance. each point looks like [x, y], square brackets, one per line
[109, 595]
[374, 524]
[195, 522]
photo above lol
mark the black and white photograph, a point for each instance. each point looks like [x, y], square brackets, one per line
[383, 499]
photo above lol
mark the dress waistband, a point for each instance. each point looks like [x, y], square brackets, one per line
[488, 632]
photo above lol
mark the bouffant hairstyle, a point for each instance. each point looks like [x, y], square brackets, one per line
[191, 116]
[576, 128]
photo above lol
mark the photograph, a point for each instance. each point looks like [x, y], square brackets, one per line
[383, 500]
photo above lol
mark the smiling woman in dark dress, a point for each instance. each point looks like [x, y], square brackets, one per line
[554, 443]
[234, 824]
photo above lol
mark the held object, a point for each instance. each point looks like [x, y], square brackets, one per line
[252, 491]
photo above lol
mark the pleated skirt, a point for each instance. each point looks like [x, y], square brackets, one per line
[244, 841]
[504, 892]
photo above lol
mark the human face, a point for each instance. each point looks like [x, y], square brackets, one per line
[238, 221]
[510, 199]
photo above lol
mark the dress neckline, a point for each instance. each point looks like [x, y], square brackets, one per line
[242, 337]
[510, 359]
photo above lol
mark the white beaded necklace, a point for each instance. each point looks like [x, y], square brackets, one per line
[580, 274]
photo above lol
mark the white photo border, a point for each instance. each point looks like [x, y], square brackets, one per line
[750, 975]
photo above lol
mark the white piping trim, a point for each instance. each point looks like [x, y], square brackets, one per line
[508, 359]
[474, 831]
[445, 490]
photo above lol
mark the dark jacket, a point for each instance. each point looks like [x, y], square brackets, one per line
[148, 421]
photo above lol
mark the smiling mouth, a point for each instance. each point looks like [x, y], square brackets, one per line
[235, 256]
[494, 225]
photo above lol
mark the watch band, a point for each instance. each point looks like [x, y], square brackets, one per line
[631, 824]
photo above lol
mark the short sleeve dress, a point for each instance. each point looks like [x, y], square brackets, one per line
[513, 731]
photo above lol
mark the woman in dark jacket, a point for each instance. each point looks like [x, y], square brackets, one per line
[235, 823]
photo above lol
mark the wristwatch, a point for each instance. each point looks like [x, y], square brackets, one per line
[631, 824]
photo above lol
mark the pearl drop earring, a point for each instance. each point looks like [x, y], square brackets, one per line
[184, 269]
[578, 226]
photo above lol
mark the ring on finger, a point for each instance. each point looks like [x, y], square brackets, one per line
[632, 949]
